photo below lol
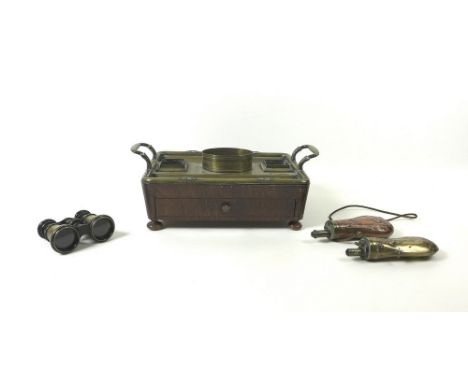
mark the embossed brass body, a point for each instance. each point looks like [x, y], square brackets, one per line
[402, 248]
[355, 228]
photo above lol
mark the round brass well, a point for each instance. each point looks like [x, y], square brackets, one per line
[227, 159]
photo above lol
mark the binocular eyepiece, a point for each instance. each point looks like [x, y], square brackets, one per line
[65, 235]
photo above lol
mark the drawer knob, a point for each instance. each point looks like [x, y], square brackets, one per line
[226, 207]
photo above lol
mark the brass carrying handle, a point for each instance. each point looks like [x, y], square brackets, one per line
[135, 150]
[313, 149]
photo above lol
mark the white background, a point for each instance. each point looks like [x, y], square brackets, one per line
[379, 87]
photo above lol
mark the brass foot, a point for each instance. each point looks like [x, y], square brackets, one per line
[295, 226]
[155, 226]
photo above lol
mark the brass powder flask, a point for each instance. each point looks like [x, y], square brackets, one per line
[402, 248]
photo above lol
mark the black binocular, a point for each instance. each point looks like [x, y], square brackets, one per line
[65, 235]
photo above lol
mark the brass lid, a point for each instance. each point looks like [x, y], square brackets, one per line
[224, 166]
[226, 159]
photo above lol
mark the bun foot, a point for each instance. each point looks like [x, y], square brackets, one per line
[155, 226]
[295, 226]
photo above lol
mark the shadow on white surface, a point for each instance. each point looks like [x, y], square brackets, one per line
[87, 242]
[321, 201]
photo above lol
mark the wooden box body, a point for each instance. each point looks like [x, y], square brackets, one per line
[259, 189]
[236, 204]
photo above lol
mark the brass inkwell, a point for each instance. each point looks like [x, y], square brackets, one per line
[224, 187]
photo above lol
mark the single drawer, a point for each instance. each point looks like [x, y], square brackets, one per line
[230, 191]
[225, 209]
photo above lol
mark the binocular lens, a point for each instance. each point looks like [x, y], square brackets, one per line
[65, 239]
[102, 228]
